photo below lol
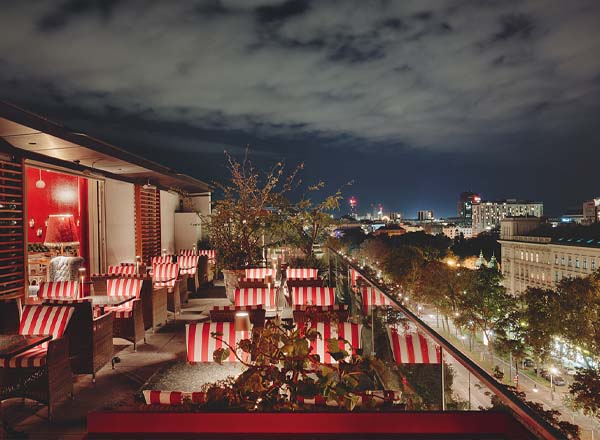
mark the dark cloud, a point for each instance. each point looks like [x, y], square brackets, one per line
[414, 100]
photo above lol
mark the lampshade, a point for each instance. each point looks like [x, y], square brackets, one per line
[61, 231]
[242, 322]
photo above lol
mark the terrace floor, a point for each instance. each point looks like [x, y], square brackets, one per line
[116, 387]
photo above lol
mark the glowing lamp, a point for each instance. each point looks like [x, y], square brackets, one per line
[242, 322]
[61, 231]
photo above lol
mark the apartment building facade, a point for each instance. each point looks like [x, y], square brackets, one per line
[538, 261]
[489, 214]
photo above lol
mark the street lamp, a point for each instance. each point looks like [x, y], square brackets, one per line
[553, 372]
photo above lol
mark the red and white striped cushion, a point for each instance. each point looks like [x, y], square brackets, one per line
[316, 296]
[165, 275]
[237, 308]
[45, 320]
[126, 287]
[329, 330]
[259, 273]
[68, 301]
[201, 345]
[121, 311]
[210, 253]
[187, 252]
[412, 348]
[372, 297]
[302, 273]
[162, 259]
[188, 264]
[173, 397]
[121, 269]
[59, 289]
[354, 276]
[251, 296]
[34, 357]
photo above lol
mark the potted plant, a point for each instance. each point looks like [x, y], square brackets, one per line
[242, 217]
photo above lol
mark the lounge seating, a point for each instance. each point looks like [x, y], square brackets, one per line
[355, 277]
[61, 269]
[255, 296]
[316, 296]
[47, 364]
[201, 345]
[122, 269]
[227, 314]
[210, 253]
[129, 317]
[188, 265]
[301, 273]
[154, 300]
[167, 275]
[371, 297]
[58, 290]
[259, 273]
[302, 283]
[90, 338]
[161, 259]
[351, 332]
[412, 348]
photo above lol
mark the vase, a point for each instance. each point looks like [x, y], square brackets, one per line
[231, 279]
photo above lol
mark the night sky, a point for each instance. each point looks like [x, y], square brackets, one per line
[416, 101]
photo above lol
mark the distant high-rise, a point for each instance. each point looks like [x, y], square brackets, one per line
[353, 203]
[465, 206]
[591, 211]
[425, 215]
[488, 214]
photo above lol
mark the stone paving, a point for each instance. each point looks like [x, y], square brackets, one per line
[113, 388]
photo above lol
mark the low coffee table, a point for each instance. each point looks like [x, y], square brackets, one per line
[103, 301]
[12, 345]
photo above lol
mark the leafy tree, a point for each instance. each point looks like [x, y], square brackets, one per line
[433, 247]
[510, 337]
[484, 304]
[375, 250]
[585, 391]
[403, 265]
[486, 242]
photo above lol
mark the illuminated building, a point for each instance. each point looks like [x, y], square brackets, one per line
[488, 214]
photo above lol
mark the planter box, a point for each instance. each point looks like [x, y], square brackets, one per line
[360, 424]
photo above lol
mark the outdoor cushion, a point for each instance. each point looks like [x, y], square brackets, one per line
[259, 272]
[302, 273]
[188, 264]
[165, 274]
[201, 345]
[126, 287]
[316, 296]
[412, 348]
[34, 357]
[372, 297]
[121, 311]
[250, 296]
[346, 330]
[122, 269]
[58, 289]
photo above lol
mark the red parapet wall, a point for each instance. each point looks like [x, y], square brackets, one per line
[454, 423]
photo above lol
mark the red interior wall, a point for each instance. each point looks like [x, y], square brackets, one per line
[63, 194]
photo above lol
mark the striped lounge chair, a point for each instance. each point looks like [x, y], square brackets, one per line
[122, 269]
[48, 361]
[188, 252]
[302, 273]
[355, 277]
[259, 273]
[201, 345]
[167, 275]
[412, 348]
[188, 265]
[311, 295]
[161, 259]
[58, 290]
[210, 253]
[371, 297]
[129, 317]
[253, 296]
[351, 332]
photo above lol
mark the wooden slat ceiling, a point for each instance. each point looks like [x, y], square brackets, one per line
[34, 134]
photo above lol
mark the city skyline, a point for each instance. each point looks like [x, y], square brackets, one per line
[414, 101]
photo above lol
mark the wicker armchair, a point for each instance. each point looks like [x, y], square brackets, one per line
[42, 373]
[90, 338]
[129, 317]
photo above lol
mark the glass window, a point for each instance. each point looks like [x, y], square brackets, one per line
[537, 260]
[556, 277]
[577, 263]
[555, 258]
[593, 264]
[562, 260]
[570, 262]
[526, 256]
[521, 255]
[585, 263]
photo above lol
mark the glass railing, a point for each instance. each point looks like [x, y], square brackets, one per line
[432, 373]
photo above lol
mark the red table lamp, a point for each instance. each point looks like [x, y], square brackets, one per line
[61, 231]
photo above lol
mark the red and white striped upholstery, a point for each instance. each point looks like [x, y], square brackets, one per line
[354, 276]
[187, 264]
[210, 253]
[39, 320]
[173, 397]
[165, 275]
[187, 252]
[121, 269]
[376, 398]
[201, 345]
[316, 296]
[302, 273]
[259, 273]
[162, 259]
[126, 287]
[122, 311]
[59, 289]
[251, 296]
[372, 297]
[412, 348]
[237, 308]
[347, 330]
